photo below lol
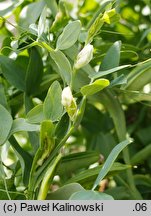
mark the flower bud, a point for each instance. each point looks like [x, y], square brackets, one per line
[66, 97]
[69, 102]
[84, 57]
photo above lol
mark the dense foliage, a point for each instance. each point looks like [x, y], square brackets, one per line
[75, 82]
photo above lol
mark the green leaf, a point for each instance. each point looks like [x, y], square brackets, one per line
[121, 80]
[106, 72]
[34, 72]
[119, 192]
[6, 122]
[139, 76]
[24, 157]
[141, 155]
[90, 195]
[142, 180]
[102, 8]
[112, 104]
[110, 160]
[33, 136]
[65, 192]
[8, 10]
[47, 143]
[63, 64]
[87, 177]
[76, 161]
[131, 96]
[60, 13]
[42, 22]
[112, 58]
[48, 177]
[3, 99]
[62, 128]
[94, 87]
[36, 114]
[13, 72]
[143, 134]
[20, 124]
[69, 35]
[30, 14]
[109, 17]
[52, 107]
[53, 6]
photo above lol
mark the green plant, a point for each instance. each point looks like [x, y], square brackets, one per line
[73, 80]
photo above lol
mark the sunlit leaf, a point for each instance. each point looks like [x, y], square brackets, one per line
[95, 87]
[42, 22]
[30, 13]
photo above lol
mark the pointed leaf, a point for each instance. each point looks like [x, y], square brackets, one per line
[87, 177]
[52, 107]
[94, 87]
[63, 65]
[42, 22]
[53, 6]
[30, 13]
[110, 160]
[106, 72]
[69, 35]
[110, 101]
[139, 76]
[24, 157]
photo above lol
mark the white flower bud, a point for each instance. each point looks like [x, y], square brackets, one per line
[69, 103]
[84, 57]
[67, 97]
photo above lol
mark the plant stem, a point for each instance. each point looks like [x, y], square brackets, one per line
[38, 176]
[48, 177]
